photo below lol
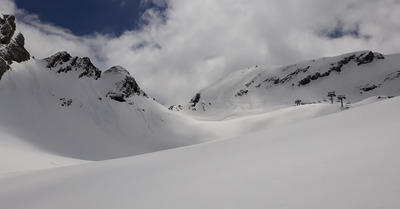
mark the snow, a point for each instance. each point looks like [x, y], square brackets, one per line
[348, 159]
[16, 156]
[65, 144]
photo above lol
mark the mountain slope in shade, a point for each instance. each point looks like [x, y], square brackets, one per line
[357, 75]
[19, 156]
[344, 160]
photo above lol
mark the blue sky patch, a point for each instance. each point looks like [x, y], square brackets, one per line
[340, 31]
[90, 16]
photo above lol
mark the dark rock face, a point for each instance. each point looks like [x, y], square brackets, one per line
[195, 99]
[57, 58]
[16, 50]
[125, 88]
[63, 62]
[11, 47]
[241, 92]
[7, 28]
[176, 108]
[89, 69]
[65, 102]
[295, 73]
[366, 59]
[368, 87]
[305, 81]
[370, 57]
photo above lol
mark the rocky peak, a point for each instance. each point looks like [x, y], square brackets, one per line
[11, 44]
[118, 70]
[62, 62]
[57, 58]
[125, 86]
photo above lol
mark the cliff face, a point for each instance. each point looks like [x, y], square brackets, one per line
[11, 44]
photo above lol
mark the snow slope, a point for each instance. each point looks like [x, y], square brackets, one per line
[348, 159]
[18, 156]
[67, 107]
[358, 75]
[57, 116]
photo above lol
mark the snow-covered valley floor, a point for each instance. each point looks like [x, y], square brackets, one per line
[347, 159]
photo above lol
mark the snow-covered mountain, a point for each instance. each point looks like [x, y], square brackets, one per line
[357, 75]
[65, 106]
[68, 107]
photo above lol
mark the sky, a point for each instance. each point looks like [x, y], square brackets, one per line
[174, 48]
[102, 16]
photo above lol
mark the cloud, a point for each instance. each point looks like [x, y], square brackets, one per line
[338, 31]
[7, 7]
[158, 3]
[191, 44]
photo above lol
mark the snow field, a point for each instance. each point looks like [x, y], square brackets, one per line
[348, 159]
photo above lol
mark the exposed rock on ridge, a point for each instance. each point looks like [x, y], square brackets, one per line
[125, 85]
[358, 75]
[63, 62]
[11, 44]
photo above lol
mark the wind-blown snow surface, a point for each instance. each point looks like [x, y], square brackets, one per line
[343, 160]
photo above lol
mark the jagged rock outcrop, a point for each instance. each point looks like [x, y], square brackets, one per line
[195, 100]
[11, 44]
[176, 107]
[125, 87]
[62, 62]
[365, 59]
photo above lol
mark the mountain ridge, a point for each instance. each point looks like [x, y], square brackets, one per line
[358, 75]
